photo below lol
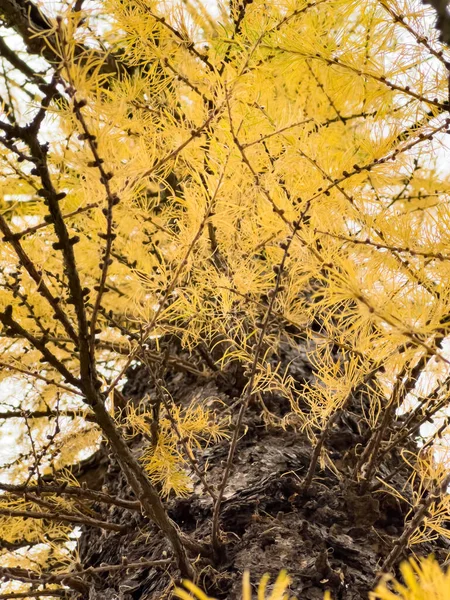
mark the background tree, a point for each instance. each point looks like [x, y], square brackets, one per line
[224, 294]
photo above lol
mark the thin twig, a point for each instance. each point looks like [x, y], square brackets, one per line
[415, 522]
[63, 517]
[66, 490]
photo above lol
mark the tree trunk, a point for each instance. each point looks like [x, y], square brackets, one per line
[330, 538]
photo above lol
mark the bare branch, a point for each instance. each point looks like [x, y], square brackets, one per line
[63, 517]
[67, 490]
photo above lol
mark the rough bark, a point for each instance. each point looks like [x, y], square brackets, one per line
[330, 538]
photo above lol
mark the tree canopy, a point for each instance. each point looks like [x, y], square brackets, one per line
[216, 190]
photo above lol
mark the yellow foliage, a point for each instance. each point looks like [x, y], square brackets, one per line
[166, 459]
[422, 580]
[279, 589]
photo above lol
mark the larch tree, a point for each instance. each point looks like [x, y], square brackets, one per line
[224, 299]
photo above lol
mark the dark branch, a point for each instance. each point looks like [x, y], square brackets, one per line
[26, 19]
